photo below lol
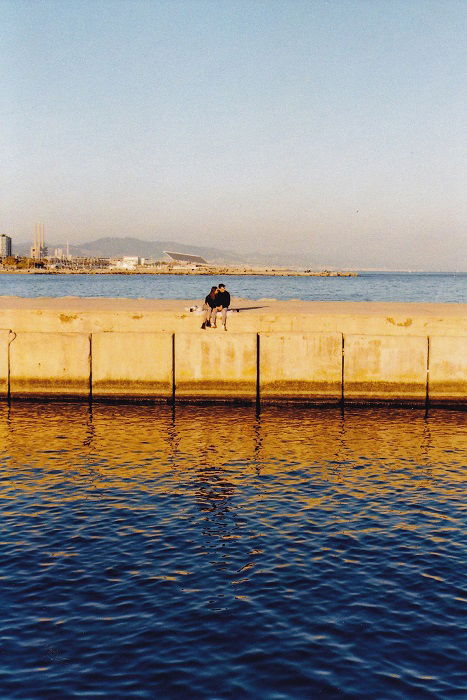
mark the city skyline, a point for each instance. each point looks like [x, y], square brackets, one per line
[104, 247]
[335, 130]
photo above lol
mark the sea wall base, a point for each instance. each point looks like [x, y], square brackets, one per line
[210, 366]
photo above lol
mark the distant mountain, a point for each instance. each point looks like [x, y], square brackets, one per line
[117, 247]
[113, 247]
[110, 247]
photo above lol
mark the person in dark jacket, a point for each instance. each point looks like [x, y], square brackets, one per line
[210, 308]
[223, 303]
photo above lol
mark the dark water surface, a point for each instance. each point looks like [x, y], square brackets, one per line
[200, 552]
[417, 287]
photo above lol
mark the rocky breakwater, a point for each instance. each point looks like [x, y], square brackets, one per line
[175, 270]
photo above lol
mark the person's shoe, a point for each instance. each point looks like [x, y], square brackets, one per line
[213, 325]
[225, 328]
[208, 324]
[203, 326]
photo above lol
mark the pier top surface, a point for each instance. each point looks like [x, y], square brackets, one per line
[262, 306]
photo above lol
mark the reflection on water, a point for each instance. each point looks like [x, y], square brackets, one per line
[213, 552]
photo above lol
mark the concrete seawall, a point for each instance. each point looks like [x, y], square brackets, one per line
[311, 367]
[315, 352]
[90, 315]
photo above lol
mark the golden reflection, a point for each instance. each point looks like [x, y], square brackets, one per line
[131, 446]
[132, 438]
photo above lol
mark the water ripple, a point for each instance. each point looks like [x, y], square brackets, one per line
[294, 554]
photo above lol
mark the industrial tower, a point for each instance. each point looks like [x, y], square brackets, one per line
[38, 249]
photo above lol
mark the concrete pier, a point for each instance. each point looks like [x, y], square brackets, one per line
[4, 362]
[300, 366]
[137, 365]
[60, 353]
[47, 364]
[211, 365]
[385, 367]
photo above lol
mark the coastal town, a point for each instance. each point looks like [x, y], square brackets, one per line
[60, 261]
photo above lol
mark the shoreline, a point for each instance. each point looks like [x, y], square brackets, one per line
[225, 271]
[205, 270]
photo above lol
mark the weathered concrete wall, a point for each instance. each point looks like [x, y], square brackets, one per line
[385, 368]
[147, 316]
[132, 365]
[50, 364]
[305, 366]
[448, 369]
[215, 365]
[4, 340]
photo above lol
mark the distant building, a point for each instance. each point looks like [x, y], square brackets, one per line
[129, 262]
[38, 248]
[186, 258]
[5, 246]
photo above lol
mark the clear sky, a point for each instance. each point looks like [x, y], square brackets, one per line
[334, 127]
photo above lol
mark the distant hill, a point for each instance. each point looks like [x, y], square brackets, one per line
[110, 247]
[117, 247]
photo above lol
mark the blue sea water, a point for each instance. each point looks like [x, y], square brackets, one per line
[193, 552]
[200, 552]
[416, 287]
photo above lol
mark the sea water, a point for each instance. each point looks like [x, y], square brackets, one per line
[415, 287]
[201, 552]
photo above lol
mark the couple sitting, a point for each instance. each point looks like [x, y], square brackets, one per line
[218, 299]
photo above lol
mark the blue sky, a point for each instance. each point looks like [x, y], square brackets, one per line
[335, 128]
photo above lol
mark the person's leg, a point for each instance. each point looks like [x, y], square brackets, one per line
[213, 318]
[206, 317]
[224, 318]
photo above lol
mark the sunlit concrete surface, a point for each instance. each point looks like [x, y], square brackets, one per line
[215, 365]
[301, 366]
[385, 368]
[132, 365]
[448, 369]
[88, 315]
[50, 364]
[4, 340]
[272, 351]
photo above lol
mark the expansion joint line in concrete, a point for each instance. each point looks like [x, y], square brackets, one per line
[372, 368]
[342, 372]
[427, 395]
[258, 371]
[90, 367]
[173, 370]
